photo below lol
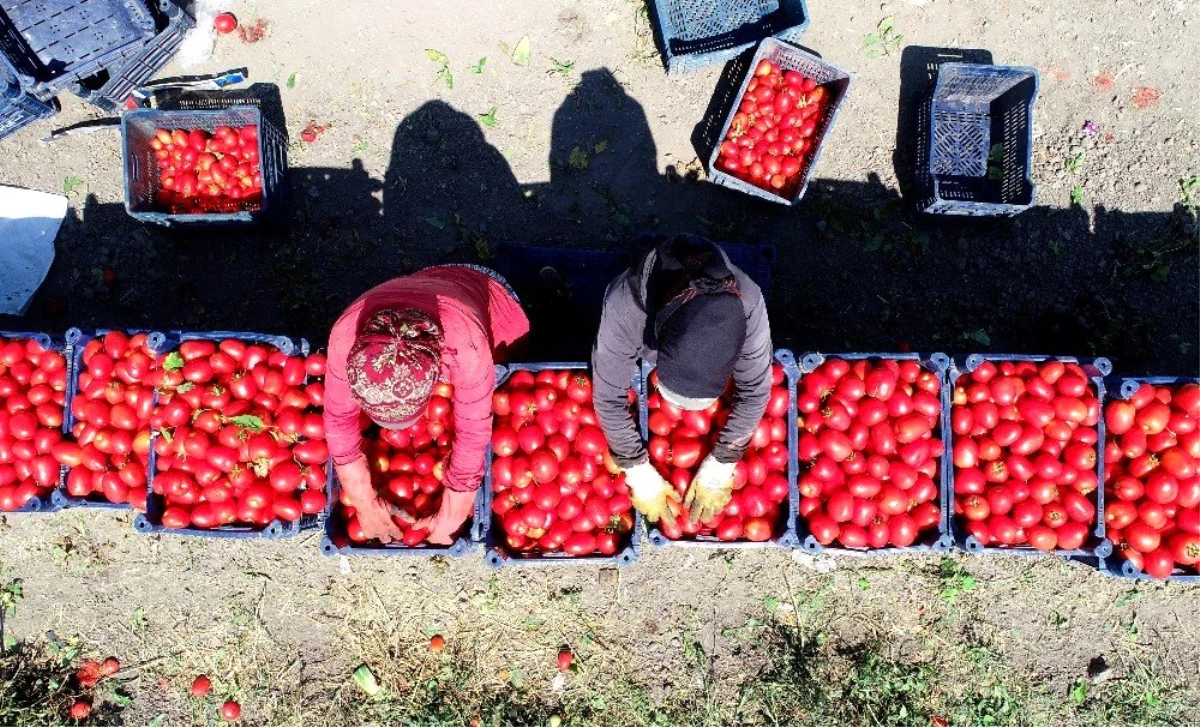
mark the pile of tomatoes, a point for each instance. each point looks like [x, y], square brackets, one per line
[203, 172]
[241, 437]
[1025, 454]
[554, 485]
[773, 135]
[679, 442]
[113, 404]
[869, 442]
[410, 463]
[33, 385]
[1152, 478]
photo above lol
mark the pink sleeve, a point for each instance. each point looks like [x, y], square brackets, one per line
[342, 431]
[472, 373]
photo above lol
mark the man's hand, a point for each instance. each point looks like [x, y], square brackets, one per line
[649, 491]
[374, 513]
[711, 490]
[455, 509]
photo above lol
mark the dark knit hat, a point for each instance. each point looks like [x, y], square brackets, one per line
[701, 327]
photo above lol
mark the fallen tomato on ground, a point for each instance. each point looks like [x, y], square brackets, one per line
[775, 131]
[1025, 448]
[679, 442]
[1152, 479]
[33, 384]
[241, 438]
[870, 452]
[553, 484]
[225, 23]
[208, 172]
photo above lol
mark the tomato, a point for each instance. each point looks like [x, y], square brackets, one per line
[1161, 487]
[1158, 563]
[902, 531]
[1185, 548]
[201, 686]
[230, 711]
[1042, 537]
[1142, 537]
[580, 544]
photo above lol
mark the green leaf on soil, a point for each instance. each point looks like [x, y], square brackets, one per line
[864, 584]
[600, 146]
[489, 118]
[447, 77]
[520, 54]
[770, 603]
[10, 642]
[247, 421]
[533, 624]
[157, 720]
[1128, 598]
[981, 337]
[1075, 163]
[435, 223]
[1077, 195]
[478, 67]
[173, 361]
[70, 184]
[578, 159]
[365, 680]
[1079, 692]
[437, 56]
[291, 82]
[563, 68]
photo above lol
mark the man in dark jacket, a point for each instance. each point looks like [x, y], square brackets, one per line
[685, 308]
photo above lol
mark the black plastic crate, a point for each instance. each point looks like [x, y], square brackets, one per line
[18, 107]
[142, 172]
[54, 43]
[698, 33]
[110, 86]
[975, 146]
[791, 58]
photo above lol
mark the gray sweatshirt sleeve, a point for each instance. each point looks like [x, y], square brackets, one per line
[751, 379]
[614, 361]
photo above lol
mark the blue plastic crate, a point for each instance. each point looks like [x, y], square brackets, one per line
[19, 108]
[142, 172]
[53, 343]
[151, 521]
[54, 43]
[1113, 564]
[77, 340]
[698, 33]
[335, 541]
[138, 63]
[975, 149]
[496, 554]
[938, 363]
[833, 79]
[1097, 546]
[787, 537]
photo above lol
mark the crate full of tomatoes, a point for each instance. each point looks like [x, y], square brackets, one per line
[33, 393]
[759, 512]
[783, 111]
[872, 453]
[407, 467]
[239, 447]
[553, 491]
[189, 167]
[112, 394]
[1152, 478]
[1025, 444]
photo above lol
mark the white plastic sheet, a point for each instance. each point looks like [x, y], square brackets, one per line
[29, 222]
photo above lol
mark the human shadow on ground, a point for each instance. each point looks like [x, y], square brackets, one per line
[853, 271]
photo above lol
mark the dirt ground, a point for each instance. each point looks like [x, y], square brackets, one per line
[592, 143]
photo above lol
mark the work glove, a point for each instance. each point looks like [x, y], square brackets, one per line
[456, 507]
[373, 512]
[649, 491]
[710, 490]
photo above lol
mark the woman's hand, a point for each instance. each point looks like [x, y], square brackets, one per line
[456, 508]
[373, 512]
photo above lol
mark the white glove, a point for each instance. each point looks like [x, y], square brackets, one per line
[649, 491]
[711, 489]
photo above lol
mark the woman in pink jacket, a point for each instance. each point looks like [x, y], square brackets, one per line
[388, 350]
